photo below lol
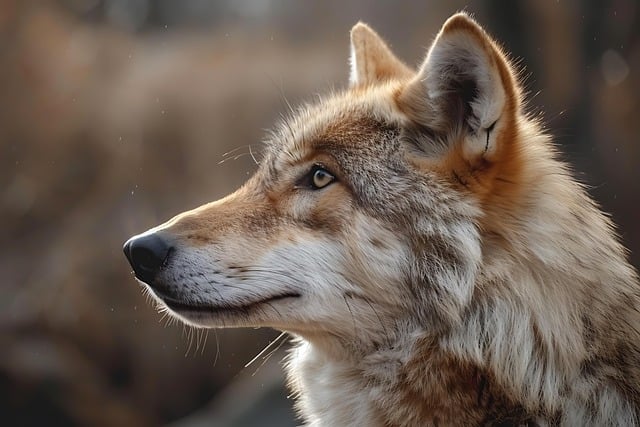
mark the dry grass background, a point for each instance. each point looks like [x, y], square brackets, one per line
[107, 130]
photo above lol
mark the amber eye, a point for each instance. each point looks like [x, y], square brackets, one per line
[320, 177]
[317, 178]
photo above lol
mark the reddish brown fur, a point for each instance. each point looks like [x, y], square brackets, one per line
[497, 181]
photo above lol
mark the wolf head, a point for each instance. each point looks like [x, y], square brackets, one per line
[369, 207]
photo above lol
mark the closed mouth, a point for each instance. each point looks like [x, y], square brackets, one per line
[184, 306]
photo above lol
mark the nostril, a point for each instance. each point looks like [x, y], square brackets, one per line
[146, 258]
[147, 254]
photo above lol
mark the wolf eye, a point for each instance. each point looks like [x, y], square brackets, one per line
[320, 178]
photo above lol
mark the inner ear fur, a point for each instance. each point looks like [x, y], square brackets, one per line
[465, 89]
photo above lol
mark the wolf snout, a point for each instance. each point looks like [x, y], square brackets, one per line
[146, 254]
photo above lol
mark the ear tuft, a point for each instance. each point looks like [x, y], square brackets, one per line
[371, 59]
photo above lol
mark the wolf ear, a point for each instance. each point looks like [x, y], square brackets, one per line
[371, 59]
[465, 87]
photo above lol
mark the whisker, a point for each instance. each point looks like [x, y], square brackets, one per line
[190, 339]
[252, 156]
[217, 357]
[228, 153]
[264, 349]
[236, 157]
[206, 338]
[283, 97]
[198, 338]
[271, 353]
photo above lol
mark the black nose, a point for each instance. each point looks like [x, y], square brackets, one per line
[146, 254]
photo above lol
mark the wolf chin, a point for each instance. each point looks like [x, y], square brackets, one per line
[434, 260]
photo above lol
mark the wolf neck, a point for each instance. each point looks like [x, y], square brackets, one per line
[552, 272]
[414, 382]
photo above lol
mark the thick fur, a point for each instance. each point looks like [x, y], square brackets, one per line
[454, 273]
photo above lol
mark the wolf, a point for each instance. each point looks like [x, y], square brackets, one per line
[434, 260]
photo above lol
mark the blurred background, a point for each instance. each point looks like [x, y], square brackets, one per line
[117, 114]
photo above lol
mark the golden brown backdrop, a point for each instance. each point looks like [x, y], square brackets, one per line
[116, 114]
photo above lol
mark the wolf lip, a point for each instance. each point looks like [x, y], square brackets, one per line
[183, 306]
